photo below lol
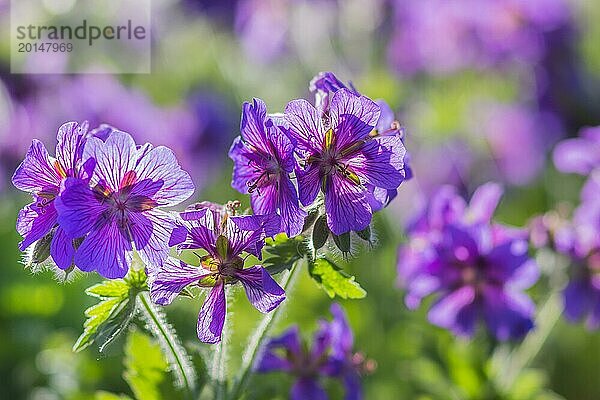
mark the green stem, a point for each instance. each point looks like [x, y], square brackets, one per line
[260, 335]
[175, 353]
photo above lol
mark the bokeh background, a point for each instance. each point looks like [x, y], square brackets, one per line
[484, 88]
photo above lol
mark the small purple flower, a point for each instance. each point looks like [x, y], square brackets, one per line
[341, 157]
[224, 238]
[580, 155]
[331, 354]
[479, 269]
[263, 159]
[581, 242]
[41, 175]
[118, 208]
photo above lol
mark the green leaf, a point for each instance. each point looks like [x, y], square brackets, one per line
[334, 280]
[222, 246]
[342, 242]
[145, 366]
[284, 253]
[320, 232]
[107, 319]
[102, 395]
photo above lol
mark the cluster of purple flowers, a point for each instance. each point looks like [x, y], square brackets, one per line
[478, 268]
[330, 354]
[580, 239]
[346, 147]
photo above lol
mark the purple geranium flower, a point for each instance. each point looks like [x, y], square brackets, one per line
[479, 269]
[224, 238]
[263, 159]
[341, 157]
[41, 175]
[581, 242]
[331, 354]
[118, 208]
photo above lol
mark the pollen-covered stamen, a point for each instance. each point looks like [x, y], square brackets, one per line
[394, 129]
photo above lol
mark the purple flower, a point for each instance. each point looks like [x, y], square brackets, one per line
[580, 155]
[331, 354]
[581, 242]
[118, 208]
[263, 160]
[224, 238]
[479, 270]
[340, 157]
[41, 175]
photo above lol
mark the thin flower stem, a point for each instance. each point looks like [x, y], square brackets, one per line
[260, 335]
[175, 353]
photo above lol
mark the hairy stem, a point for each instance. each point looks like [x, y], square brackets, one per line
[260, 335]
[175, 353]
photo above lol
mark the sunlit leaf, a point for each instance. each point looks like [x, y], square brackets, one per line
[335, 281]
[145, 366]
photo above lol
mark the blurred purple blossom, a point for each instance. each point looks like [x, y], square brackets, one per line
[580, 240]
[579, 155]
[479, 269]
[224, 237]
[471, 33]
[330, 355]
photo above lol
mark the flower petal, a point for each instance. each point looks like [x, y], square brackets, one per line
[160, 165]
[509, 315]
[212, 316]
[114, 158]
[342, 340]
[61, 249]
[151, 232]
[305, 124]
[33, 223]
[69, 150]
[36, 172]
[248, 233]
[455, 311]
[292, 216]
[309, 182]
[380, 162]
[252, 126]
[290, 342]
[172, 277]
[307, 388]
[242, 171]
[353, 117]
[484, 202]
[78, 208]
[105, 250]
[346, 206]
[262, 290]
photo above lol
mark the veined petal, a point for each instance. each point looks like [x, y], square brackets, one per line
[380, 162]
[305, 124]
[242, 171]
[69, 150]
[265, 199]
[34, 222]
[247, 233]
[160, 165]
[61, 249]
[114, 158]
[212, 316]
[36, 172]
[309, 183]
[353, 117]
[346, 206]
[172, 277]
[151, 231]
[252, 126]
[105, 250]
[292, 216]
[78, 208]
[263, 292]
